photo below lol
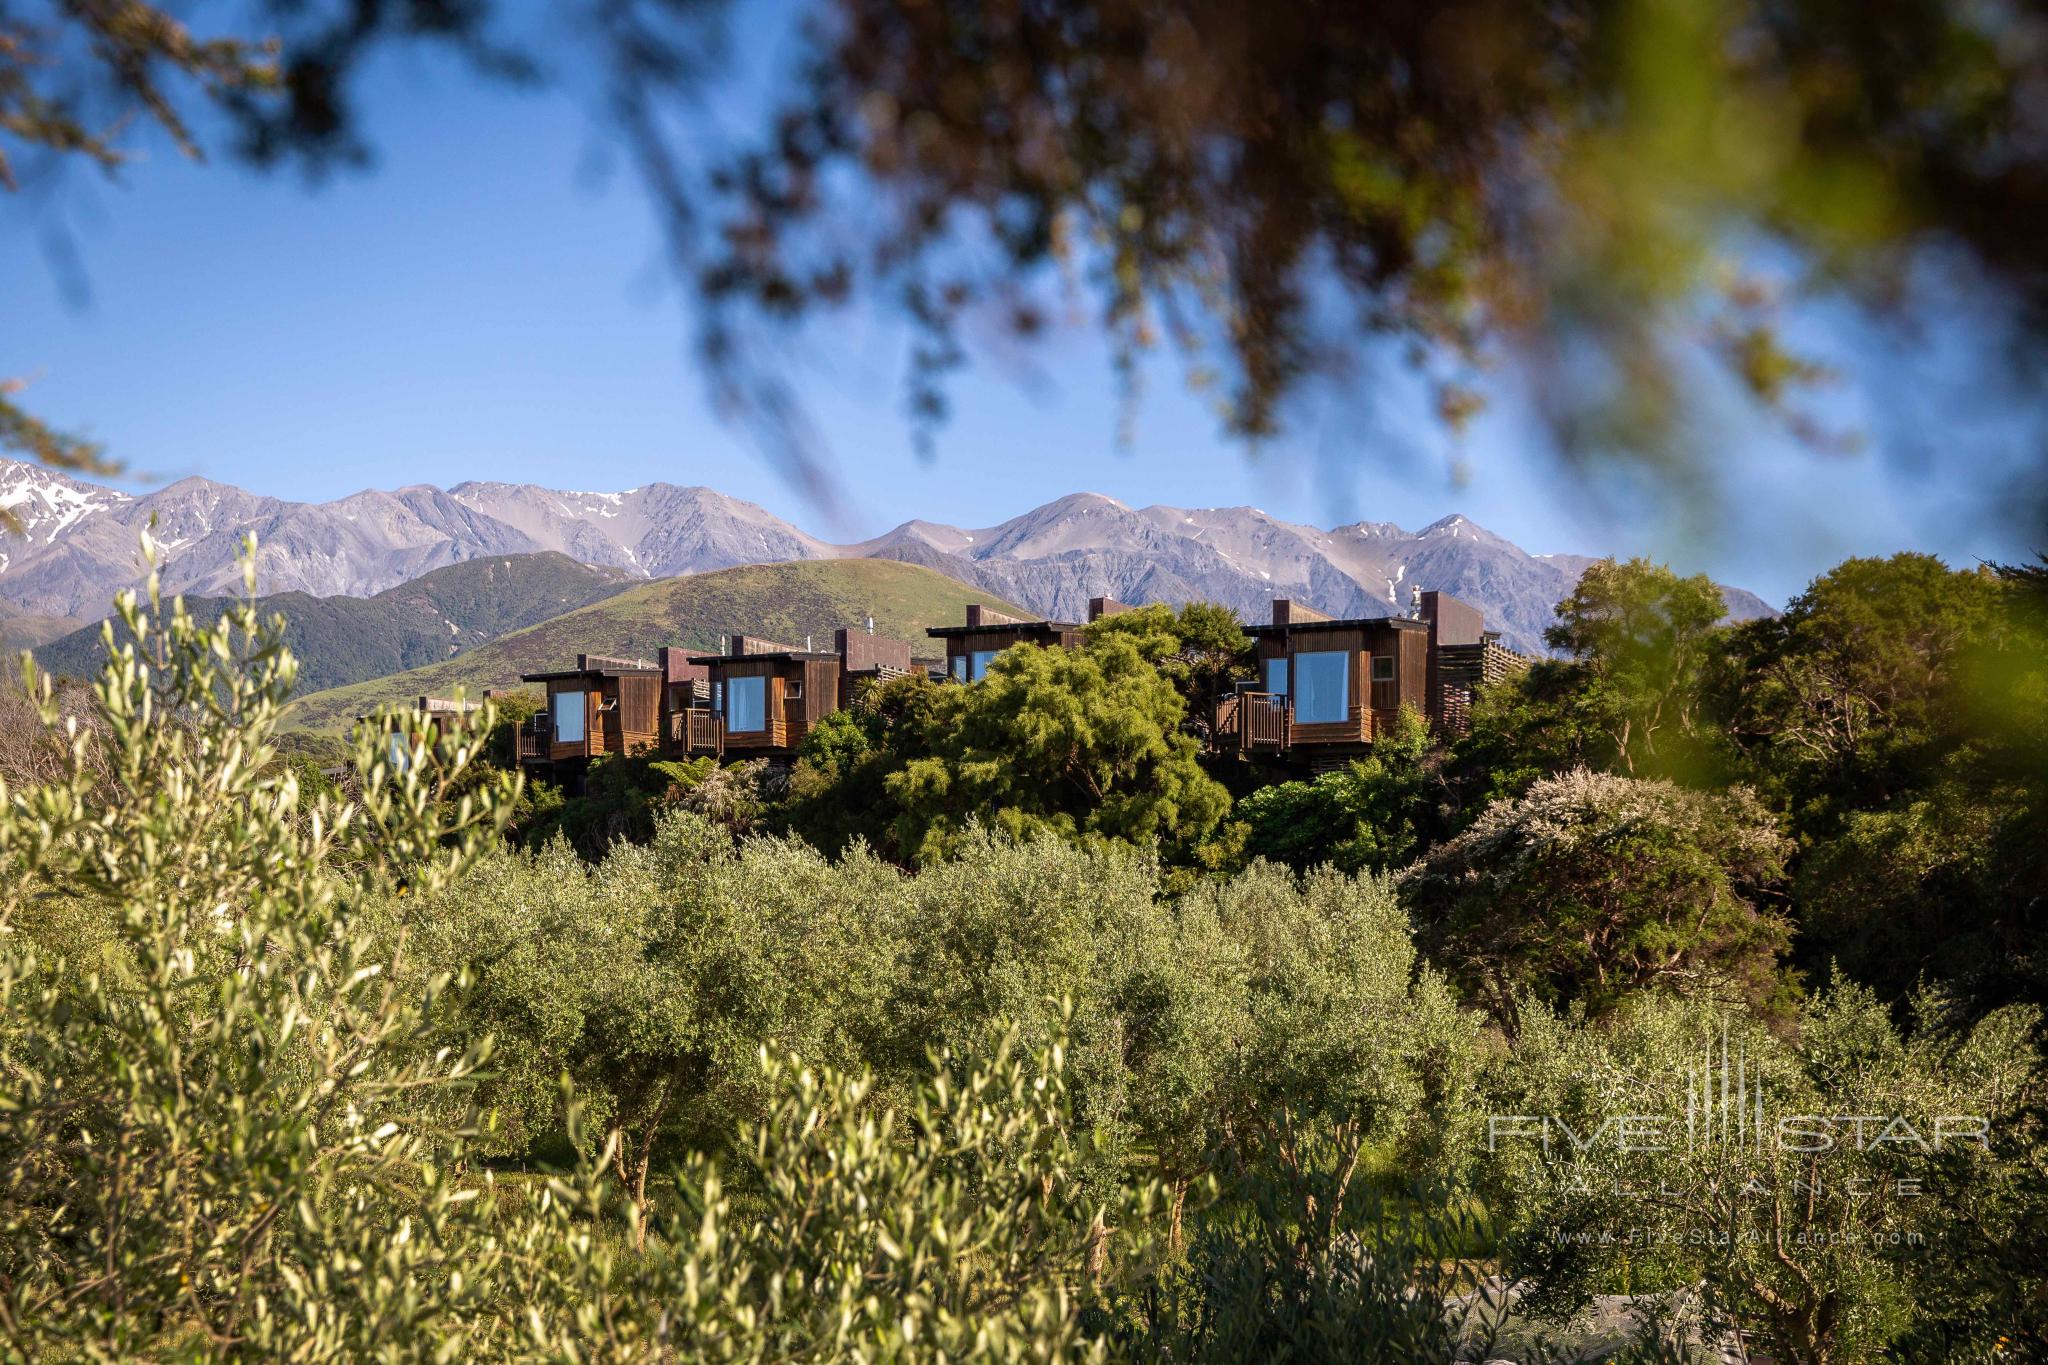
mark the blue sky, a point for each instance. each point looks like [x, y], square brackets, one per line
[487, 302]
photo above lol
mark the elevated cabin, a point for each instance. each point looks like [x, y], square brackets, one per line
[601, 706]
[765, 696]
[437, 714]
[971, 647]
[1326, 688]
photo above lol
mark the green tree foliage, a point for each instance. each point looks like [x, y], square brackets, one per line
[255, 1049]
[653, 980]
[1631, 697]
[233, 1129]
[1195, 1021]
[1836, 1238]
[1086, 744]
[1283, 1267]
[211, 1127]
[1894, 713]
[1554, 717]
[1593, 887]
[1642, 635]
[1376, 814]
[622, 796]
[839, 788]
[1050, 1100]
[1201, 649]
[1083, 743]
[950, 1228]
[1850, 698]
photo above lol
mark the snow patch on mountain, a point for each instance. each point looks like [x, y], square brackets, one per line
[82, 541]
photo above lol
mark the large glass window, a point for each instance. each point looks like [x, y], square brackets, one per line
[978, 662]
[1322, 686]
[959, 662]
[1276, 676]
[746, 704]
[569, 717]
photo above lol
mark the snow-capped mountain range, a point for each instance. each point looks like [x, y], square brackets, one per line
[79, 545]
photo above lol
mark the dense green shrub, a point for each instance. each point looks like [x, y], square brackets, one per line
[1593, 887]
[1839, 1237]
[1085, 744]
[625, 794]
[1201, 649]
[339, 1075]
[1375, 814]
[211, 1138]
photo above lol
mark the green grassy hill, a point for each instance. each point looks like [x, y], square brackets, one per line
[782, 602]
[340, 640]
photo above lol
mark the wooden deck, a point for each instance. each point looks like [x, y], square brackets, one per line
[697, 730]
[1259, 720]
[775, 736]
[1263, 722]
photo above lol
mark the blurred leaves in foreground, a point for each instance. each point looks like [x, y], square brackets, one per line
[1604, 196]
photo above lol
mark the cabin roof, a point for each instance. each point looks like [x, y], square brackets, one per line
[784, 655]
[1353, 623]
[594, 671]
[996, 627]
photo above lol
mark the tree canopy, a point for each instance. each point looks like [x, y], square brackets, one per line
[1591, 888]
[336, 1074]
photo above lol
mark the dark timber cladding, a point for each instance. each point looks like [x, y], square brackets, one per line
[1342, 681]
[971, 647]
[601, 706]
[1326, 689]
[765, 696]
[768, 695]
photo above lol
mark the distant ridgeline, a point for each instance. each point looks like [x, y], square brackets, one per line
[80, 539]
[340, 640]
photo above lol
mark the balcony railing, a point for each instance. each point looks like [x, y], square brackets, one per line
[1263, 720]
[696, 730]
[534, 743]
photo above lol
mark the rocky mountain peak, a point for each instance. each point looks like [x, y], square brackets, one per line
[1052, 558]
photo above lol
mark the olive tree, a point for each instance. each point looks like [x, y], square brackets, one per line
[654, 979]
[952, 1226]
[212, 1138]
[1808, 1185]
